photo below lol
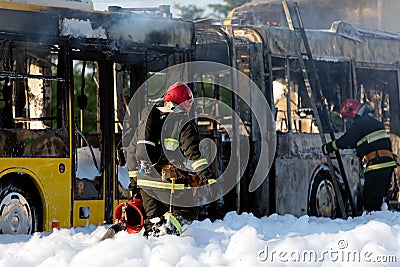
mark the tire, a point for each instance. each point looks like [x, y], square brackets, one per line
[322, 201]
[20, 209]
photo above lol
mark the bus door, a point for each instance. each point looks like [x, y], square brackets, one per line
[94, 142]
[103, 93]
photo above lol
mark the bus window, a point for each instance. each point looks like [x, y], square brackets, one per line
[281, 99]
[129, 78]
[334, 81]
[377, 88]
[33, 120]
[302, 114]
[88, 177]
[288, 87]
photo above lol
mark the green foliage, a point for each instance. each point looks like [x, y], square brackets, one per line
[205, 106]
[156, 85]
[206, 89]
[90, 90]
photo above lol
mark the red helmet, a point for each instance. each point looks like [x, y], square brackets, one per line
[349, 108]
[179, 93]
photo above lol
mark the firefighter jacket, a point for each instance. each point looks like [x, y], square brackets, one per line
[179, 139]
[144, 144]
[371, 141]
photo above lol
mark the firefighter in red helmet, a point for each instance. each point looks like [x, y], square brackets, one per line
[373, 146]
[179, 94]
[166, 142]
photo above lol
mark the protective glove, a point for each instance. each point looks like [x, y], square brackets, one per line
[194, 181]
[207, 178]
[134, 192]
[197, 180]
[327, 148]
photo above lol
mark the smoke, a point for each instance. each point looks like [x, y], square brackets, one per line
[370, 14]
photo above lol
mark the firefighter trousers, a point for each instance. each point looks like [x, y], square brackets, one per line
[376, 188]
[154, 208]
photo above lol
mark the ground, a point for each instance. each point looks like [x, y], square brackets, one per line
[237, 240]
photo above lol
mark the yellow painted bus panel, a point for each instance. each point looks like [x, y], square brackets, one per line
[56, 195]
[96, 214]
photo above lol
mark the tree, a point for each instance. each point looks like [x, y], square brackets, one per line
[225, 9]
[189, 12]
[89, 91]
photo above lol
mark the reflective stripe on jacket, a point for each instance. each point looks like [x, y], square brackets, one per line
[366, 135]
[198, 163]
[160, 184]
[374, 136]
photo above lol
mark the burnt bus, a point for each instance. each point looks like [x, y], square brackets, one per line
[351, 63]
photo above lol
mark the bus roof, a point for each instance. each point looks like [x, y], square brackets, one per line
[342, 42]
[128, 27]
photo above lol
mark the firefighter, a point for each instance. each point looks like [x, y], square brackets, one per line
[373, 146]
[173, 153]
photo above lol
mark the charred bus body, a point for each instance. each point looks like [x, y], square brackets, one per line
[369, 14]
[351, 63]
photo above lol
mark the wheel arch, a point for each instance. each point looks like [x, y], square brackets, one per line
[323, 170]
[28, 181]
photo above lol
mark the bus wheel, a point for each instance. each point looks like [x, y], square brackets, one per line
[322, 199]
[19, 212]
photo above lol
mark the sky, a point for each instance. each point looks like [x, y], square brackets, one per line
[103, 4]
[236, 240]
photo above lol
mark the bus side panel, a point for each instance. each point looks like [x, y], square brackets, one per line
[58, 192]
[88, 212]
[55, 174]
[298, 156]
[291, 185]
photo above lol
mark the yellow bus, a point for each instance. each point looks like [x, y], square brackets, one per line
[66, 76]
